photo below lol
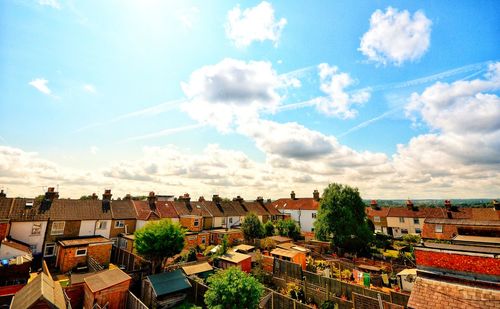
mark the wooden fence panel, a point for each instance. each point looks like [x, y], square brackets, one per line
[400, 298]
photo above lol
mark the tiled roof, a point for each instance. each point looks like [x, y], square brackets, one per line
[123, 209]
[20, 212]
[143, 212]
[197, 208]
[230, 210]
[462, 222]
[485, 213]
[213, 209]
[382, 212]
[306, 203]
[166, 209]
[256, 208]
[428, 293]
[420, 213]
[271, 209]
[5, 204]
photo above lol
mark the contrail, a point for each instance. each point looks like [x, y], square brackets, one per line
[165, 132]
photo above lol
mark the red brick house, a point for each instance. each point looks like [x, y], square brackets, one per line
[234, 236]
[76, 252]
[196, 239]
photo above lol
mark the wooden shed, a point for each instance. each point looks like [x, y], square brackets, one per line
[242, 261]
[297, 257]
[41, 292]
[165, 290]
[202, 270]
[107, 288]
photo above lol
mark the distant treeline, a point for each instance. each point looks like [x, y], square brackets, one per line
[435, 203]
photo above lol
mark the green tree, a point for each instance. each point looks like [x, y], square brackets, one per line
[86, 197]
[224, 246]
[269, 228]
[342, 217]
[252, 227]
[232, 288]
[159, 240]
[288, 228]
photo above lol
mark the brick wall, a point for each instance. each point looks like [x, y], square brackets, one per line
[68, 260]
[189, 223]
[115, 231]
[233, 237]
[449, 231]
[458, 262]
[71, 229]
[4, 230]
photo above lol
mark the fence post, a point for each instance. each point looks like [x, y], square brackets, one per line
[272, 300]
[196, 292]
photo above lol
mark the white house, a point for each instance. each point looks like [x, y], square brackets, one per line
[302, 210]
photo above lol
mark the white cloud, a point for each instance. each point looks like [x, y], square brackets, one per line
[52, 3]
[40, 84]
[339, 102]
[89, 88]
[94, 150]
[231, 90]
[253, 24]
[396, 37]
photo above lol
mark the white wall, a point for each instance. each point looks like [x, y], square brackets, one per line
[87, 227]
[106, 231]
[218, 221]
[407, 224]
[7, 252]
[306, 219]
[22, 231]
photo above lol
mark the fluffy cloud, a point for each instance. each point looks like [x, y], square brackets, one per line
[89, 88]
[465, 137]
[339, 102]
[396, 37]
[40, 84]
[230, 90]
[253, 24]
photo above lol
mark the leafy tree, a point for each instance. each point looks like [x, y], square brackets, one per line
[223, 246]
[252, 227]
[269, 228]
[86, 197]
[288, 228]
[342, 217]
[159, 240]
[232, 288]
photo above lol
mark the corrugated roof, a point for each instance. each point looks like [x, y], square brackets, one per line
[106, 279]
[196, 269]
[42, 288]
[306, 203]
[169, 282]
[235, 257]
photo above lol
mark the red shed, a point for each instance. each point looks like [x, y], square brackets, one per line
[242, 261]
[108, 287]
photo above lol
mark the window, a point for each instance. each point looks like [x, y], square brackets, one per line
[418, 230]
[313, 215]
[416, 221]
[376, 219]
[401, 219]
[50, 250]
[119, 223]
[33, 248]
[203, 240]
[81, 252]
[404, 231]
[57, 228]
[230, 220]
[101, 225]
[36, 228]
[439, 228]
[196, 222]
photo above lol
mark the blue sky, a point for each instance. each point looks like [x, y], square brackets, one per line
[255, 98]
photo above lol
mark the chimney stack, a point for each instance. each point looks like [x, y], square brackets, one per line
[152, 200]
[187, 201]
[94, 196]
[50, 196]
[2, 194]
[260, 200]
[409, 205]
[292, 195]
[127, 197]
[215, 198]
[374, 205]
[201, 199]
[316, 195]
[496, 204]
[238, 199]
[106, 200]
[447, 204]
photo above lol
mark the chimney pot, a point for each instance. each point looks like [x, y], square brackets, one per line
[316, 195]
[496, 204]
[94, 196]
[2, 194]
[201, 199]
[292, 195]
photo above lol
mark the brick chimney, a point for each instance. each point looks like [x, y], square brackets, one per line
[409, 205]
[106, 200]
[2, 194]
[260, 200]
[201, 199]
[94, 196]
[316, 195]
[240, 200]
[292, 195]
[152, 200]
[50, 196]
[127, 197]
[447, 204]
[187, 200]
[496, 204]
[374, 204]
